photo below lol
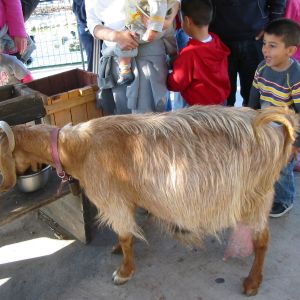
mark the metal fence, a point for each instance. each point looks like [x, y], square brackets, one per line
[53, 27]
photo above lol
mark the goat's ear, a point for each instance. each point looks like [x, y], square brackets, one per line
[7, 164]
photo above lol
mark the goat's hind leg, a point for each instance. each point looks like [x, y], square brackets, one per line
[116, 249]
[127, 268]
[254, 279]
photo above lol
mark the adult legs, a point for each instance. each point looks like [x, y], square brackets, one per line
[250, 55]
[87, 41]
[232, 71]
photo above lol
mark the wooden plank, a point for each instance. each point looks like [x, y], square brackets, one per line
[70, 80]
[58, 106]
[41, 85]
[14, 204]
[58, 97]
[22, 109]
[92, 111]
[62, 117]
[57, 84]
[79, 114]
[7, 92]
[73, 93]
[87, 90]
[68, 212]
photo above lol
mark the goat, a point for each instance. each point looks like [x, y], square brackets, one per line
[199, 170]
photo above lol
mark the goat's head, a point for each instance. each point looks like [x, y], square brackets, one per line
[7, 162]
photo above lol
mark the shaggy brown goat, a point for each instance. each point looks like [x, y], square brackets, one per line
[198, 170]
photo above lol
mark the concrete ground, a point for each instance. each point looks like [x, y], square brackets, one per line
[34, 265]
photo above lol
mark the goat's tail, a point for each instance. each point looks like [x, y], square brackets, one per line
[281, 115]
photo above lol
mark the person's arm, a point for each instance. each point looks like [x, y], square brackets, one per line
[170, 19]
[181, 76]
[254, 98]
[125, 39]
[276, 10]
[168, 22]
[15, 23]
[158, 12]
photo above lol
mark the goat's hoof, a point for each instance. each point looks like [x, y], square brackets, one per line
[251, 287]
[118, 279]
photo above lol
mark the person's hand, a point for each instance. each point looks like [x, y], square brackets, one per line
[20, 43]
[126, 40]
[294, 153]
[260, 35]
[149, 35]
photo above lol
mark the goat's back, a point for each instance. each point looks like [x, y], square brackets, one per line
[201, 168]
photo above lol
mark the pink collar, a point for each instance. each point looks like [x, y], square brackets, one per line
[54, 152]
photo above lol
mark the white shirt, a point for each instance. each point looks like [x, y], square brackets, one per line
[109, 12]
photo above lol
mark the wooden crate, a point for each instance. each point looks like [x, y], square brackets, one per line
[19, 104]
[69, 97]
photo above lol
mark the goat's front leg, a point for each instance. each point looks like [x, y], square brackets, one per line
[254, 279]
[127, 268]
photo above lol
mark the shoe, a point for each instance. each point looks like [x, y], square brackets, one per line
[279, 210]
[125, 78]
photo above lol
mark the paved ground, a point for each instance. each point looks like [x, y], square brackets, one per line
[36, 266]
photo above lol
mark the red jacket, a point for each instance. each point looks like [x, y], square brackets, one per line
[200, 72]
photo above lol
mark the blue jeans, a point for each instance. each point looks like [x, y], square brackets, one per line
[285, 186]
[181, 39]
[179, 102]
[87, 41]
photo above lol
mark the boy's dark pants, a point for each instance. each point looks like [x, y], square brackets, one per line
[243, 60]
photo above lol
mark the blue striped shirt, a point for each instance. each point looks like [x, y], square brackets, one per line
[276, 88]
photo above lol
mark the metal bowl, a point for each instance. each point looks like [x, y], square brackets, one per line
[34, 181]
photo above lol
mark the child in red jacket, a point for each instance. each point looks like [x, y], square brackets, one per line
[200, 71]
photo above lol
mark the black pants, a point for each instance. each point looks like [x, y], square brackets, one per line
[243, 60]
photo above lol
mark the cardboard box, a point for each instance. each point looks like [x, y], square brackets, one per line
[68, 97]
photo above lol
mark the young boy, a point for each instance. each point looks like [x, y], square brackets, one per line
[277, 82]
[200, 71]
[12, 70]
[146, 20]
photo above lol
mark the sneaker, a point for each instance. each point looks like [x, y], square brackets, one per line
[279, 210]
[125, 78]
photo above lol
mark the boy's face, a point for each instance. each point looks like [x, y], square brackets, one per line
[186, 24]
[276, 53]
